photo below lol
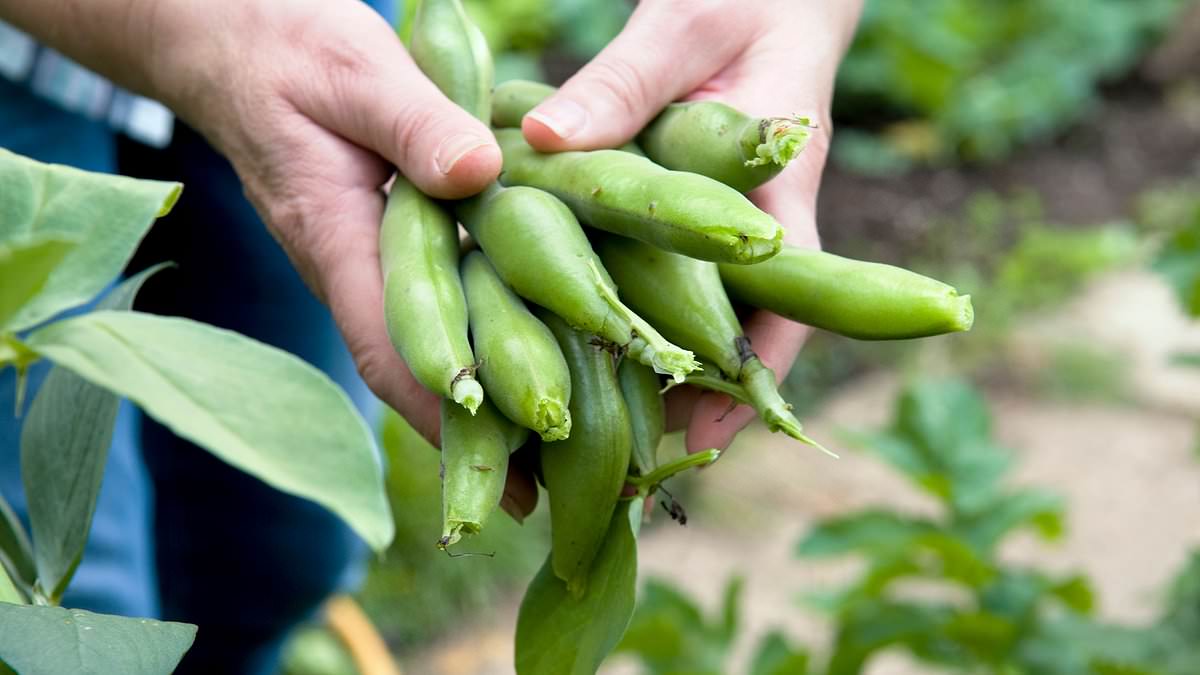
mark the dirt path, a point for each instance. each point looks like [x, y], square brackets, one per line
[1128, 472]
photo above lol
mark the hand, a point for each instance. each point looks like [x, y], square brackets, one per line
[768, 58]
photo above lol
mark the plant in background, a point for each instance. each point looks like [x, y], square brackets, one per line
[65, 235]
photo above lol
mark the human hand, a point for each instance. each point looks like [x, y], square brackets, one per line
[766, 58]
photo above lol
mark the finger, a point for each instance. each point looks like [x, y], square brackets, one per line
[520, 493]
[372, 93]
[679, 402]
[642, 70]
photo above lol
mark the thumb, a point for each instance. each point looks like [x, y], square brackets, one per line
[388, 105]
[665, 51]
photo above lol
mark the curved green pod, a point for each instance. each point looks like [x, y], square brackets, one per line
[452, 52]
[423, 301]
[475, 451]
[538, 249]
[648, 415]
[858, 299]
[521, 366]
[629, 195]
[513, 98]
[684, 297]
[584, 473]
[719, 141]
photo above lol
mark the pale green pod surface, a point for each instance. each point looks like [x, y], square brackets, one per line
[629, 195]
[863, 300]
[423, 301]
[584, 474]
[475, 451]
[559, 633]
[647, 413]
[538, 248]
[512, 99]
[716, 140]
[451, 50]
[520, 365]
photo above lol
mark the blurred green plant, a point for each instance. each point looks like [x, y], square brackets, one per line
[974, 613]
[973, 79]
[1178, 261]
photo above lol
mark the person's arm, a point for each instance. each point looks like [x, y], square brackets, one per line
[314, 102]
[767, 58]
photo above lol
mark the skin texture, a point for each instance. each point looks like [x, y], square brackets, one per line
[863, 300]
[761, 58]
[423, 297]
[640, 386]
[538, 248]
[475, 451]
[521, 367]
[512, 99]
[584, 474]
[450, 49]
[631, 196]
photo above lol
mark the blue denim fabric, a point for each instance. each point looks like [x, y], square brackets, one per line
[177, 533]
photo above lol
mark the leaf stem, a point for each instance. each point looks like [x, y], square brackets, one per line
[647, 484]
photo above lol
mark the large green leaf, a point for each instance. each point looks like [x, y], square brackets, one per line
[258, 408]
[670, 634]
[776, 657]
[15, 552]
[108, 215]
[560, 634]
[41, 640]
[26, 264]
[64, 445]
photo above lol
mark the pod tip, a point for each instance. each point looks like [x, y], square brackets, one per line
[453, 532]
[966, 314]
[468, 393]
[782, 139]
[552, 420]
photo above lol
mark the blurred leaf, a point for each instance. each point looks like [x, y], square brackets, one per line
[871, 626]
[259, 408]
[776, 657]
[39, 640]
[670, 634]
[869, 532]
[731, 608]
[26, 264]
[987, 526]
[107, 215]
[561, 634]
[316, 651]
[1191, 360]
[1179, 263]
[8, 591]
[988, 637]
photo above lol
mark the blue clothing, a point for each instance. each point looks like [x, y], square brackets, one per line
[178, 534]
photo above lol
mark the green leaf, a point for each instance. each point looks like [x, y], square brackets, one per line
[8, 591]
[108, 216]
[869, 532]
[985, 528]
[776, 657]
[1179, 263]
[560, 634]
[41, 640]
[26, 264]
[259, 408]
[15, 552]
[670, 634]
[1186, 359]
[64, 447]
[731, 608]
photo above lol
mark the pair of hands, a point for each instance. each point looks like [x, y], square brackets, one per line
[316, 103]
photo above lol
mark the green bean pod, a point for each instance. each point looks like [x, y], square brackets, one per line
[452, 52]
[475, 451]
[520, 365]
[423, 301]
[629, 195]
[647, 413]
[685, 298]
[719, 141]
[538, 249]
[863, 300]
[513, 98]
[584, 473]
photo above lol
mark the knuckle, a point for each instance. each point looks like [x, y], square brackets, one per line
[623, 84]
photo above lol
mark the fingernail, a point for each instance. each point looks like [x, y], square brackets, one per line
[453, 149]
[565, 117]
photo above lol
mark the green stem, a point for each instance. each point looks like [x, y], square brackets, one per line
[713, 383]
[648, 483]
[763, 392]
[647, 345]
[776, 140]
[14, 352]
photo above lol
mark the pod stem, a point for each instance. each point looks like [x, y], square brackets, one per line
[759, 383]
[466, 391]
[715, 383]
[647, 484]
[647, 345]
[776, 140]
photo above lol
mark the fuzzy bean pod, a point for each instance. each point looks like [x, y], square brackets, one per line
[538, 249]
[685, 298]
[584, 474]
[629, 195]
[716, 140]
[863, 300]
[647, 413]
[423, 301]
[521, 366]
[452, 52]
[513, 98]
[475, 451]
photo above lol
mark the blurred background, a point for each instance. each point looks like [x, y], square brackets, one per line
[1024, 498]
